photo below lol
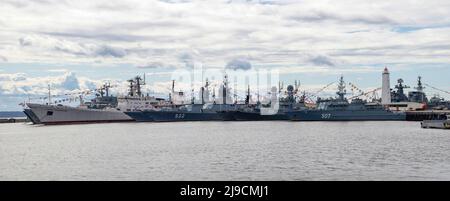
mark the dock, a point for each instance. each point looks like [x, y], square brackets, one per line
[13, 120]
[426, 115]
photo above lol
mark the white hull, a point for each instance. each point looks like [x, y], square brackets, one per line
[52, 114]
[445, 124]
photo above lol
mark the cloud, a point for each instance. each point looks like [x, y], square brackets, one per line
[2, 58]
[321, 16]
[70, 82]
[25, 42]
[321, 60]
[97, 35]
[58, 70]
[18, 84]
[188, 58]
[239, 64]
[105, 50]
[273, 32]
[12, 77]
[63, 46]
[154, 65]
[89, 50]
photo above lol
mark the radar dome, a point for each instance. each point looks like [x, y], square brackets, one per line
[290, 88]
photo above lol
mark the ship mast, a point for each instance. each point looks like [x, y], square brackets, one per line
[101, 90]
[224, 90]
[138, 86]
[172, 92]
[214, 95]
[107, 86]
[341, 88]
[419, 84]
[247, 97]
[400, 86]
[131, 93]
[257, 91]
[49, 95]
[192, 96]
[135, 86]
[207, 89]
[235, 92]
[203, 91]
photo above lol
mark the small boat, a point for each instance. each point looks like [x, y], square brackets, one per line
[438, 123]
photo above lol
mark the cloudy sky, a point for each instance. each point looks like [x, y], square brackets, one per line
[75, 45]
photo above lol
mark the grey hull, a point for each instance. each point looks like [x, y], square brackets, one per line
[351, 115]
[51, 114]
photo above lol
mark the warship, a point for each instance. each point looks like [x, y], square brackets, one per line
[103, 108]
[254, 112]
[191, 112]
[438, 103]
[203, 111]
[340, 109]
[415, 99]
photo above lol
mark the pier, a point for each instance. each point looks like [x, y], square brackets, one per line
[426, 115]
[13, 120]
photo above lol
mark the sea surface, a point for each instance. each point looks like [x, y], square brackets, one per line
[272, 150]
[11, 114]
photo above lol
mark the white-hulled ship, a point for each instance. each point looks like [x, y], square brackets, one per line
[104, 108]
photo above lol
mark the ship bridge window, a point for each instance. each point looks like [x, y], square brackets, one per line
[49, 113]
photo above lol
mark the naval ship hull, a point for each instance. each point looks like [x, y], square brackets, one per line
[31, 116]
[256, 116]
[51, 114]
[324, 115]
[169, 116]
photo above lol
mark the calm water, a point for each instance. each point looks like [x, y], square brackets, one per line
[225, 151]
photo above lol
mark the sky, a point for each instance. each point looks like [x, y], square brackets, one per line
[78, 45]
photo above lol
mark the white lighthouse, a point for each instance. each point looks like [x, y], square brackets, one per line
[385, 88]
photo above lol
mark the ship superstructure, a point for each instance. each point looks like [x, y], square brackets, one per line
[254, 112]
[340, 109]
[136, 100]
[202, 111]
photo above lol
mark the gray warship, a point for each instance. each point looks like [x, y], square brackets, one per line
[103, 108]
[253, 112]
[203, 111]
[340, 109]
